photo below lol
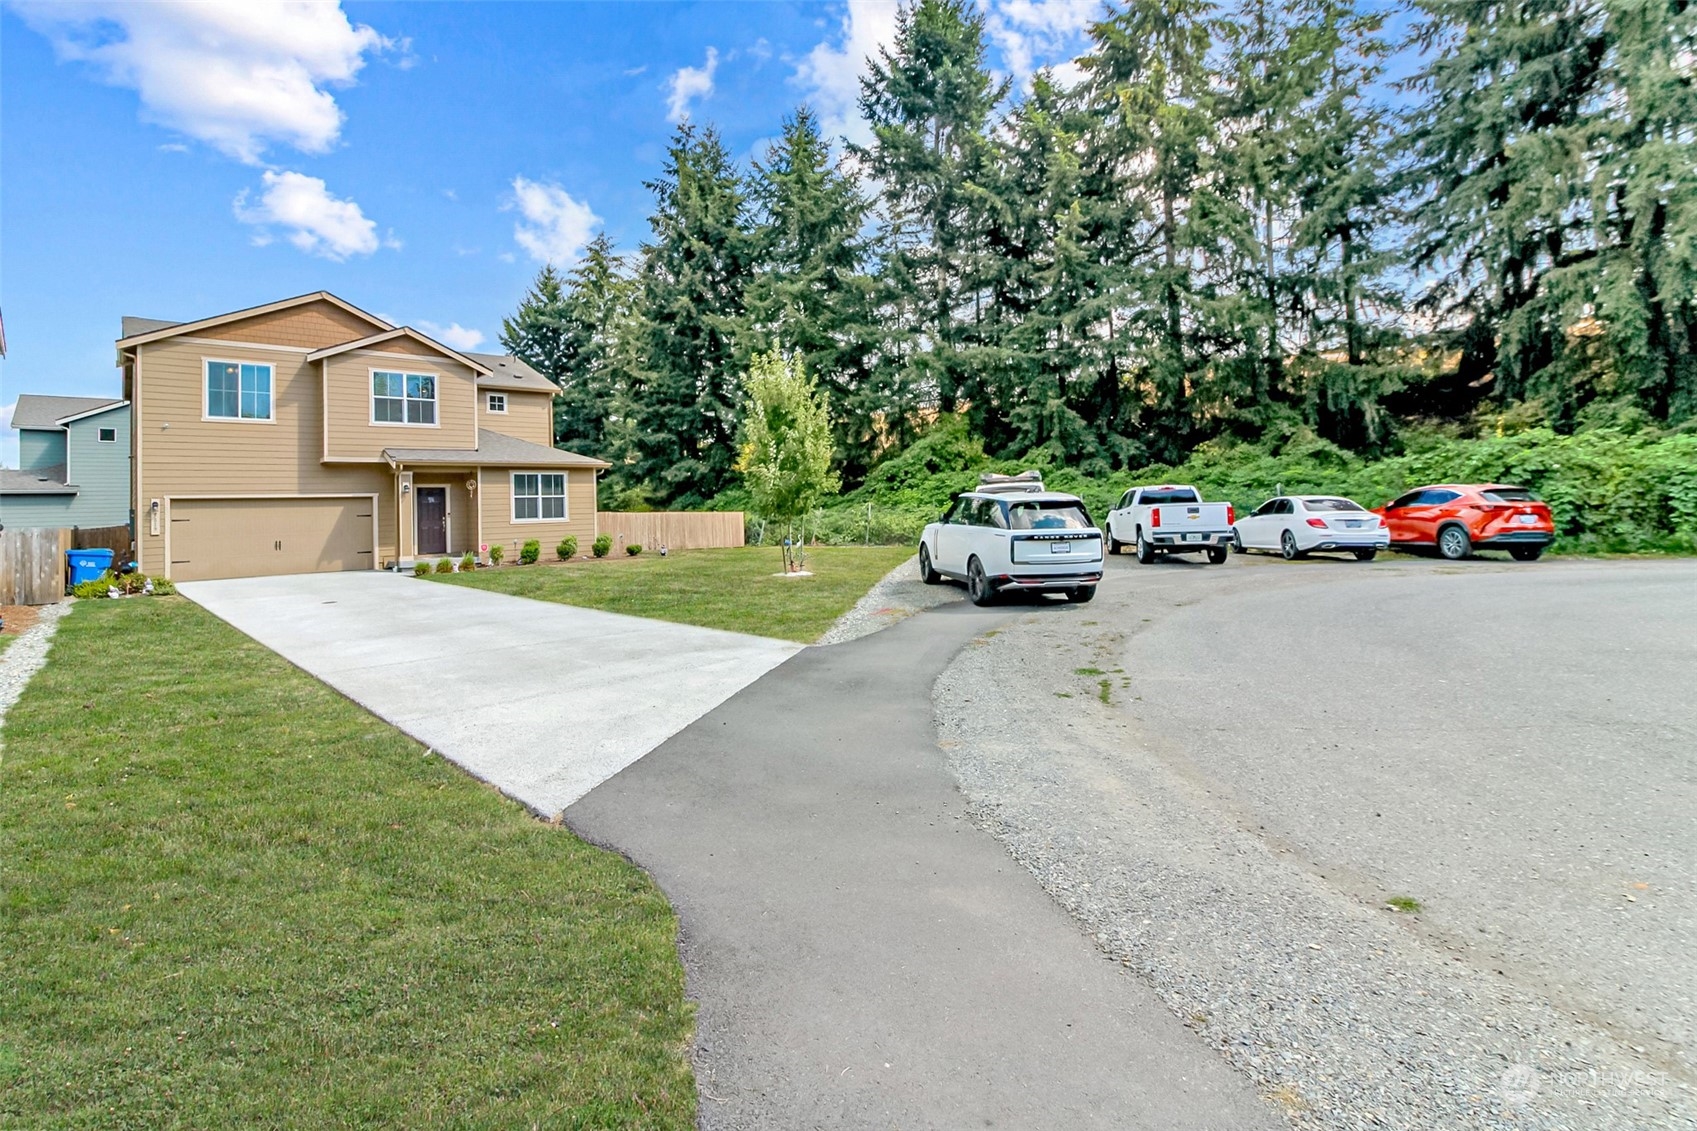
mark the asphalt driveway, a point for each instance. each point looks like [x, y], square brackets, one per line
[543, 701]
[862, 954]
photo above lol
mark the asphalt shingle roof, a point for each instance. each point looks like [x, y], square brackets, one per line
[133, 325]
[509, 372]
[496, 450]
[41, 481]
[37, 411]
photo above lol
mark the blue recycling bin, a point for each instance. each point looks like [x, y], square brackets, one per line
[86, 565]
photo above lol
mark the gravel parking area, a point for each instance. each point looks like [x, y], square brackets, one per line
[1143, 759]
[897, 596]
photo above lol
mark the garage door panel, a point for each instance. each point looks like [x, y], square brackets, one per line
[214, 538]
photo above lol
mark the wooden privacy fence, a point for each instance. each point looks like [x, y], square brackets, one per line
[114, 538]
[676, 530]
[32, 566]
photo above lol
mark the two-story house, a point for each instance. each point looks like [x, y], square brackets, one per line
[73, 463]
[307, 435]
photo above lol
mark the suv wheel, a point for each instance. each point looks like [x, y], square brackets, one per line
[1145, 552]
[926, 574]
[1453, 542]
[1526, 553]
[977, 585]
[1081, 594]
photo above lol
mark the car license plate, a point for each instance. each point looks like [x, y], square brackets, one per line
[1352, 523]
[1193, 537]
[1060, 547]
[1526, 519]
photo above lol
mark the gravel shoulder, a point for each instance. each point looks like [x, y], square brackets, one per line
[27, 651]
[1261, 939]
[897, 595]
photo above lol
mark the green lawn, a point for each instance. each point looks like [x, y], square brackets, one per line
[232, 898]
[732, 589]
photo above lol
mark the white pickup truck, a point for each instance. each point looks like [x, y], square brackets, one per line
[1170, 520]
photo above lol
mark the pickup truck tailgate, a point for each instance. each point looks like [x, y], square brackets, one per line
[1178, 518]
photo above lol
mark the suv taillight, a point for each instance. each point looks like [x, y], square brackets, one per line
[1231, 514]
[1155, 517]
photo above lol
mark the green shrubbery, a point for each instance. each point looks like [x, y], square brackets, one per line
[1611, 489]
[602, 545]
[421, 569]
[446, 565]
[530, 552]
[469, 562]
[567, 549]
[634, 549]
[125, 584]
[495, 553]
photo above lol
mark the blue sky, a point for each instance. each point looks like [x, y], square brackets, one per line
[177, 160]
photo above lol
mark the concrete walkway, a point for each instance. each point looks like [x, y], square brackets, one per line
[863, 955]
[543, 701]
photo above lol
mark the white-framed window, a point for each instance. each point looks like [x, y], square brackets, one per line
[106, 435]
[238, 390]
[539, 496]
[497, 402]
[402, 398]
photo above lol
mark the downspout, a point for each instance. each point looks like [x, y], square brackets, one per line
[478, 508]
[395, 467]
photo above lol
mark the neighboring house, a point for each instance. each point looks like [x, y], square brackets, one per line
[73, 464]
[307, 435]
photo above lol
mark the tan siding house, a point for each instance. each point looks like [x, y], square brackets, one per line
[307, 435]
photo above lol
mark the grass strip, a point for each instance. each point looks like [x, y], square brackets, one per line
[734, 589]
[233, 898]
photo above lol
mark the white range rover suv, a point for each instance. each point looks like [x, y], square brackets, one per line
[1010, 534]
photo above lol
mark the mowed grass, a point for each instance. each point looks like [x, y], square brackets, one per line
[732, 588]
[232, 898]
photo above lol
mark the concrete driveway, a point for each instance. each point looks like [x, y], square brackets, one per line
[542, 701]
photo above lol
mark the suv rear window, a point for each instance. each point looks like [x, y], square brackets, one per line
[1330, 505]
[1053, 515]
[1162, 498]
[1510, 495]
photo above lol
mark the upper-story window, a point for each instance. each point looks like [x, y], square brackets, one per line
[106, 435]
[497, 402]
[238, 390]
[402, 398]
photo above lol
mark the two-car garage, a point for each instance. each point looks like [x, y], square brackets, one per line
[256, 537]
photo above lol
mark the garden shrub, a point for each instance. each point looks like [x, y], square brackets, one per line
[529, 552]
[469, 562]
[421, 569]
[634, 549]
[602, 544]
[495, 553]
[446, 565]
[567, 549]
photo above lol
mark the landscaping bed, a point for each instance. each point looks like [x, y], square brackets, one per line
[734, 589]
[234, 898]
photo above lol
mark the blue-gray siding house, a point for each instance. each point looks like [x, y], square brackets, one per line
[73, 463]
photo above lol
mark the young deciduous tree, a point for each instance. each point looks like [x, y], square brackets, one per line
[785, 444]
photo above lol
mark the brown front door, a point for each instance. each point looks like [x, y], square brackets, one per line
[432, 508]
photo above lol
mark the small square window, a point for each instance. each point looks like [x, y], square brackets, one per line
[497, 402]
[107, 435]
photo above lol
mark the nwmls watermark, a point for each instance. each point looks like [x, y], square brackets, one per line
[1520, 1084]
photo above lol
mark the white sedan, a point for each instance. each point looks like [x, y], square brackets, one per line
[1295, 525]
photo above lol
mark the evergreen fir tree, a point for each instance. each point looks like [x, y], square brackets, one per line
[683, 387]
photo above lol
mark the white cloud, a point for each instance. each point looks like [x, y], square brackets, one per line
[1035, 33]
[453, 335]
[690, 84]
[831, 72]
[240, 75]
[555, 226]
[318, 223]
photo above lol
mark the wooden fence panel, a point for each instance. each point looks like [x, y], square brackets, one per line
[114, 538]
[676, 530]
[32, 566]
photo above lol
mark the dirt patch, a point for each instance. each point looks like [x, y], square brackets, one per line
[19, 619]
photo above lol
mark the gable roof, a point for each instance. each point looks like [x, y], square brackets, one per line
[40, 481]
[132, 326]
[172, 329]
[391, 335]
[37, 411]
[496, 450]
[509, 372]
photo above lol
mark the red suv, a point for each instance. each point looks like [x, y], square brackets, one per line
[1459, 519]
